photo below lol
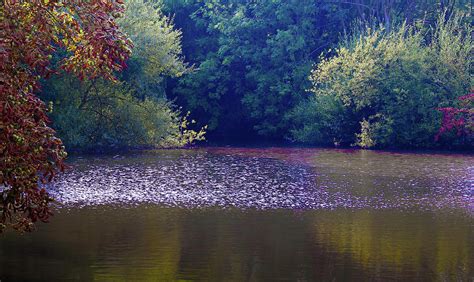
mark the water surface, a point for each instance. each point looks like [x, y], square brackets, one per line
[232, 214]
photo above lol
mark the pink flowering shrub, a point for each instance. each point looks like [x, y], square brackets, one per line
[460, 119]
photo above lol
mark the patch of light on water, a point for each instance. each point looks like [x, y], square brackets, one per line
[225, 180]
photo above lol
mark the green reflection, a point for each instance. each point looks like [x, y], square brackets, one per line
[149, 244]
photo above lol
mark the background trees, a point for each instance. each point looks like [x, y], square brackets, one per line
[253, 60]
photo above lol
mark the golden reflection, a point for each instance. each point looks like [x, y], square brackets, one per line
[400, 242]
[156, 244]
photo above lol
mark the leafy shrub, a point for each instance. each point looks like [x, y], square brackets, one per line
[98, 114]
[390, 84]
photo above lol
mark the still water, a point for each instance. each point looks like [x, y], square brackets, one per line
[232, 214]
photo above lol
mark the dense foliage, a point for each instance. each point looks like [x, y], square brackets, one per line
[253, 58]
[97, 115]
[383, 88]
[30, 33]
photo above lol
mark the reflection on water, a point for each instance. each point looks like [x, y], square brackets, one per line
[253, 215]
[170, 244]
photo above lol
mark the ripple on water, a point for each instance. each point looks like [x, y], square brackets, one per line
[203, 179]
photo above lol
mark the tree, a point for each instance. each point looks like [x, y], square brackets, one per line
[87, 34]
[157, 52]
[253, 59]
[98, 115]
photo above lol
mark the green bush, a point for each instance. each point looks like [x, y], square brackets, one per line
[99, 114]
[389, 84]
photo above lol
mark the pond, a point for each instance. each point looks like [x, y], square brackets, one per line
[253, 214]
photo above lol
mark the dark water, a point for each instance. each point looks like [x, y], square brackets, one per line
[228, 214]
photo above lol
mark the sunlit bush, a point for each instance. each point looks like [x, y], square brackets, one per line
[99, 114]
[384, 87]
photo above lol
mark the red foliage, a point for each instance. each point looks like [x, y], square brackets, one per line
[459, 119]
[30, 32]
